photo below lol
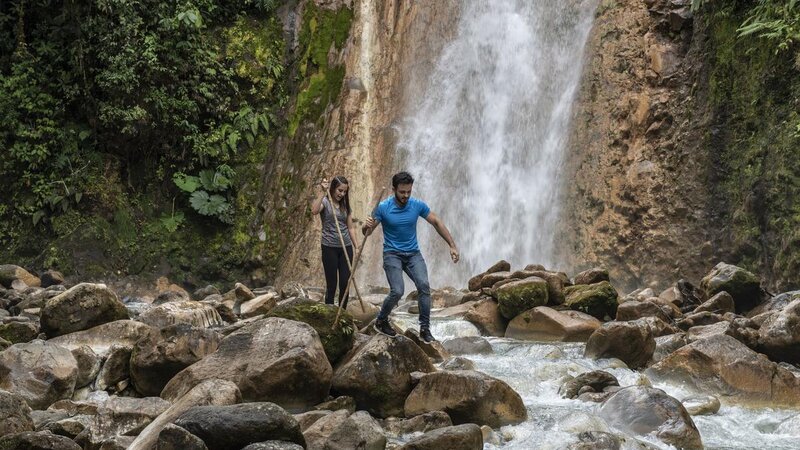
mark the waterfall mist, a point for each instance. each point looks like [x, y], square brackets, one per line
[486, 135]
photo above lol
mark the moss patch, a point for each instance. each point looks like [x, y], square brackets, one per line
[336, 341]
[518, 296]
[598, 299]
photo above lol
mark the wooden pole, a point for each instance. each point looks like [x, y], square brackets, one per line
[346, 256]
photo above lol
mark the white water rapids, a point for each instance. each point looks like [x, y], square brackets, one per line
[536, 370]
[486, 138]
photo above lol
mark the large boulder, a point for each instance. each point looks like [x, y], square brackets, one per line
[591, 276]
[236, 426]
[720, 303]
[102, 337]
[485, 314]
[463, 437]
[10, 273]
[418, 424]
[378, 374]
[632, 310]
[209, 392]
[196, 314]
[468, 397]
[163, 353]
[115, 368]
[546, 324]
[743, 286]
[80, 308]
[363, 317]
[642, 410]
[15, 414]
[779, 335]
[723, 366]
[271, 359]
[173, 437]
[18, 332]
[595, 381]
[468, 345]
[37, 440]
[775, 303]
[336, 341]
[118, 416]
[598, 300]
[520, 295]
[39, 371]
[88, 365]
[359, 431]
[632, 342]
[319, 431]
[474, 283]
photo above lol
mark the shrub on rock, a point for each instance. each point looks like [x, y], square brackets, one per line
[336, 341]
[598, 300]
[518, 296]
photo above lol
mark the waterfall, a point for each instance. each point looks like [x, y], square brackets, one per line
[486, 135]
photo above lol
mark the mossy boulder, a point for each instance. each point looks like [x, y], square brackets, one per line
[522, 295]
[743, 286]
[598, 299]
[18, 332]
[10, 273]
[336, 341]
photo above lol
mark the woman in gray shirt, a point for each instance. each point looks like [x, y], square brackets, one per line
[333, 256]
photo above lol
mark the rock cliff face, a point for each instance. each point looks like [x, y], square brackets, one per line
[391, 45]
[681, 149]
[636, 196]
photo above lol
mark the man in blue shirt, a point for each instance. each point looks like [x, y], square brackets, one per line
[399, 214]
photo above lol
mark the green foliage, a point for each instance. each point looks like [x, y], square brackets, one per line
[321, 30]
[112, 96]
[777, 21]
[204, 201]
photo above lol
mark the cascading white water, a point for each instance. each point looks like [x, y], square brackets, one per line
[486, 138]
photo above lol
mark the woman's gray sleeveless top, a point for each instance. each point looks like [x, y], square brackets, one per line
[330, 238]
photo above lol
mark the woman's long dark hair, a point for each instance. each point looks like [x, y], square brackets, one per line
[336, 182]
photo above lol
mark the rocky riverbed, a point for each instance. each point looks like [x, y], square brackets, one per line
[527, 358]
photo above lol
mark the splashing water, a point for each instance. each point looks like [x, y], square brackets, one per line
[536, 370]
[486, 139]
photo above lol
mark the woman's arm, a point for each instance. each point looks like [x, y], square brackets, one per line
[316, 204]
[351, 228]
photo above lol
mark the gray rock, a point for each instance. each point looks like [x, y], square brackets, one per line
[273, 359]
[10, 273]
[274, 445]
[318, 433]
[235, 426]
[546, 324]
[743, 286]
[360, 431]
[209, 392]
[467, 397]
[52, 278]
[19, 332]
[597, 381]
[458, 363]
[37, 440]
[173, 437]
[161, 354]
[642, 410]
[88, 365]
[115, 368]
[196, 314]
[15, 414]
[591, 276]
[102, 337]
[418, 424]
[343, 402]
[779, 335]
[119, 416]
[463, 437]
[80, 308]
[720, 303]
[632, 342]
[378, 374]
[39, 371]
[468, 345]
[701, 405]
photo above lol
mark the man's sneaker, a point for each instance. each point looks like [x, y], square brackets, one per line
[426, 335]
[382, 326]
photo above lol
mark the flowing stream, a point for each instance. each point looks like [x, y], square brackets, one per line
[486, 138]
[536, 370]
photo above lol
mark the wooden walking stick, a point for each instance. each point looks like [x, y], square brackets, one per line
[346, 257]
[357, 259]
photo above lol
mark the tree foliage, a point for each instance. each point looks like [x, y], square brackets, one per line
[145, 86]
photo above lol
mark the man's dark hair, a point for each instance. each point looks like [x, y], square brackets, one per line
[402, 178]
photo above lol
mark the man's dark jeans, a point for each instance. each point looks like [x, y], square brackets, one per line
[413, 264]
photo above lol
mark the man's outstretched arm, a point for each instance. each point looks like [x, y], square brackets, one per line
[437, 223]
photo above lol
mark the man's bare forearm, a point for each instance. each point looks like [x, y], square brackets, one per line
[444, 233]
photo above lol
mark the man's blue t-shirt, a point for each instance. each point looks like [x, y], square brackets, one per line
[400, 224]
